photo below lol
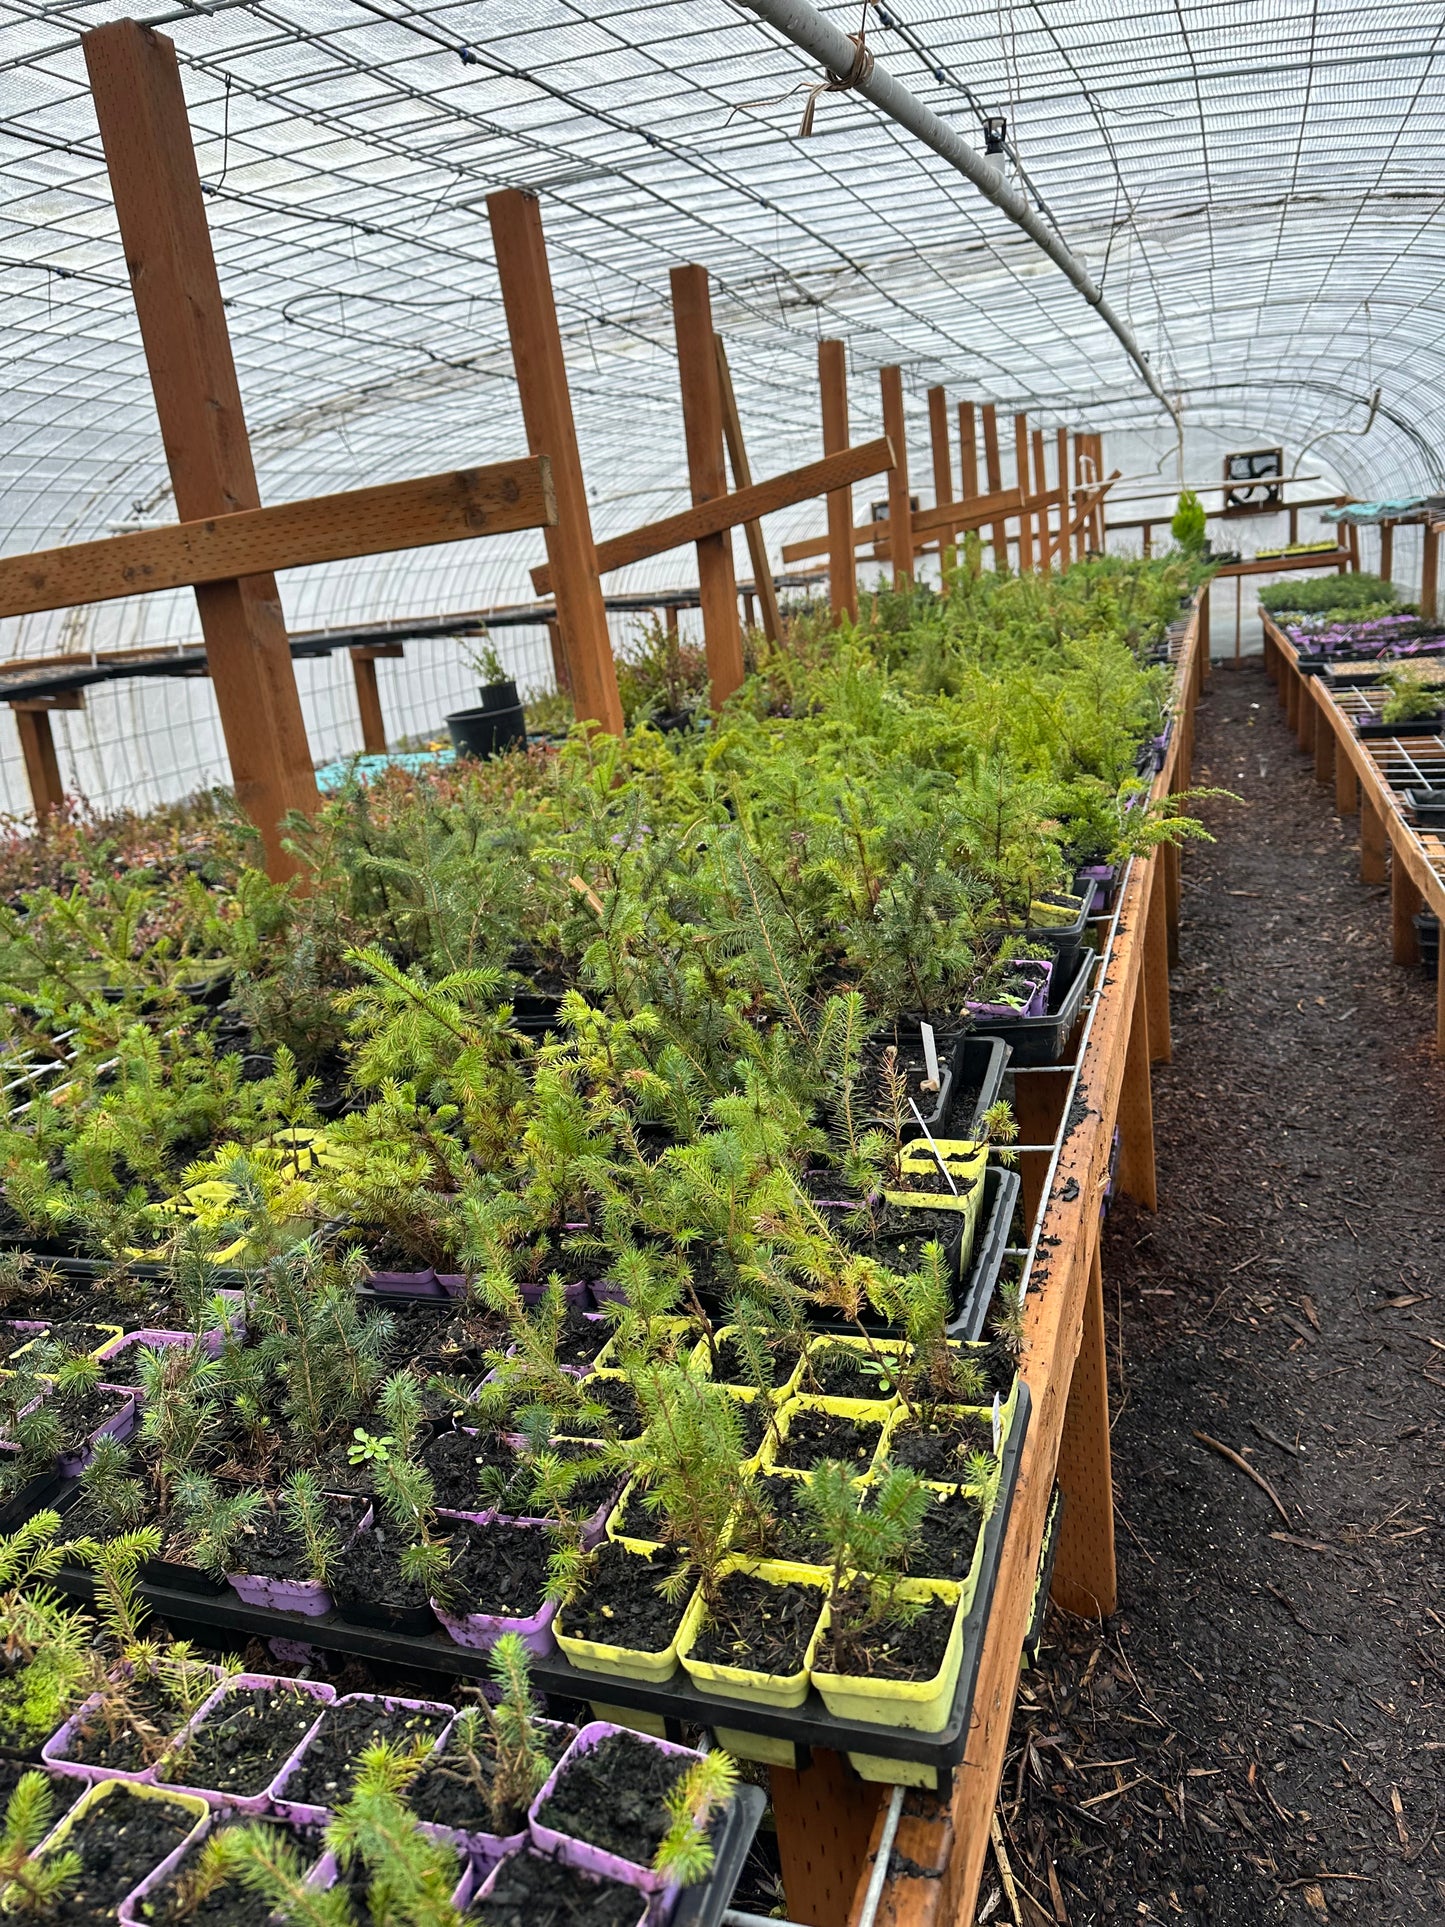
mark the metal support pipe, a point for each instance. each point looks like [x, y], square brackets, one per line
[832, 49]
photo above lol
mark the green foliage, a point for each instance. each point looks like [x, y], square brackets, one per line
[1414, 690]
[1350, 597]
[1188, 525]
[685, 1852]
[32, 1886]
[45, 1665]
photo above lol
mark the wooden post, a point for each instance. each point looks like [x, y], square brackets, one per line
[1387, 550]
[824, 1816]
[1173, 897]
[1305, 715]
[993, 467]
[672, 618]
[968, 473]
[1293, 526]
[1429, 570]
[1324, 748]
[743, 478]
[703, 423]
[1136, 1174]
[1347, 785]
[1352, 537]
[1373, 842]
[942, 468]
[1041, 487]
[1065, 545]
[144, 130]
[1405, 900]
[1156, 967]
[900, 507]
[842, 568]
[1096, 446]
[521, 251]
[1439, 1012]
[1021, 470]
[368, 701]
[37, 746]
[1085, 1579]
[1081, 540]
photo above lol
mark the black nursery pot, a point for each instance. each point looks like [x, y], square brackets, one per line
[487, 732]
[500, 695]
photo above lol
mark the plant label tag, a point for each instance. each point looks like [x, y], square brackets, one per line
[930, 1058]
[997, 1426]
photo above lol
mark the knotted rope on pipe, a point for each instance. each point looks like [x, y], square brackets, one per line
[857, 74]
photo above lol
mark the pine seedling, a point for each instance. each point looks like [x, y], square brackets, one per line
[109, 1487]
[495, 1749]
[685, 1852]
[32, 1886]
[304, 1511]
[867, 1534]
[215, 1525]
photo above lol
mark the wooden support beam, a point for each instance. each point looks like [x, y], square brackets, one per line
[928, 524]
[703, 426]
[968, 472]
[743, 478]
[942, 457]
[561, 674]
[1156, 966]
[368, 701]
[1387, 550]
[1021, 470]
[42, 770]
[993, 468]
[833, 394]
[1085, 1578]
[1373, 842]
[1305, 714]
[1064, 549]
[1439, 1011]
[1429, 571]
[1324, 749]
[727, 511]
[1173, 896]
[900, 507]
[1043, 533]
[541, 370]
[1347, 786]
[1097, 441]
[1135, 1174]
[325, 528]
[1405, 901]
[141, 110]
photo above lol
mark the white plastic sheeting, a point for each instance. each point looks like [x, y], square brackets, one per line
[1255, 185]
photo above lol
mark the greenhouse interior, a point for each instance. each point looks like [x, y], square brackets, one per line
[688, 698]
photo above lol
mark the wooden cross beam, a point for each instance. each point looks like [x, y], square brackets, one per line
[954, 518]
[741, 506]
[326, 528]
[743, 478]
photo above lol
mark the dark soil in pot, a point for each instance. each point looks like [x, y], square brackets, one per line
[445, 1794]
[82, 1411]
[898, 1649]
[369, 1589]
[498, 1569]
[813, 1437]
[729, 1367]
[946, 1539]
[909, 1064]
[64, 1791]
[241, 1745]
[621, 1417]
[147, 1703]
[841, 1371]
[939, 1448]
[612, 1797]
[119, 1842]
[758, 1625]
[895, 1234]
[270, 1548]
[621, 1606]
[328, 1766]
[457, 1461]
[532, 1891]
[580, 1338]
[230, 1905]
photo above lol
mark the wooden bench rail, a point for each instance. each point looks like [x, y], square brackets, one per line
[940, 1843]
[326, 528]
[1355, 766]
[739, 506]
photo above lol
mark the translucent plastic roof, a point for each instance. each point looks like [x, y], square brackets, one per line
[1257, 186]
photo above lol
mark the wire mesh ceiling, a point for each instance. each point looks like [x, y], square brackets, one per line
[1256, 185]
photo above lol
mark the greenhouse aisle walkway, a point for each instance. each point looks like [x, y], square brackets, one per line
[1260, 1734]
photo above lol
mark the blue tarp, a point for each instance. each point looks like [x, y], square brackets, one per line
[331, 776]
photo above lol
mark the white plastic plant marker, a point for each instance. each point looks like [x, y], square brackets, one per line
[938, 1155]
[997, 1426]
[930, 1058]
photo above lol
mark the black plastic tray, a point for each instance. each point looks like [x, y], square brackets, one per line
[1373, 729]
[705, 1904]
[1039, 1041]
[981, 1065]
[678, 1699]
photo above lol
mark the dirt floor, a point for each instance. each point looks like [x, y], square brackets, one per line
[1258, 1735]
